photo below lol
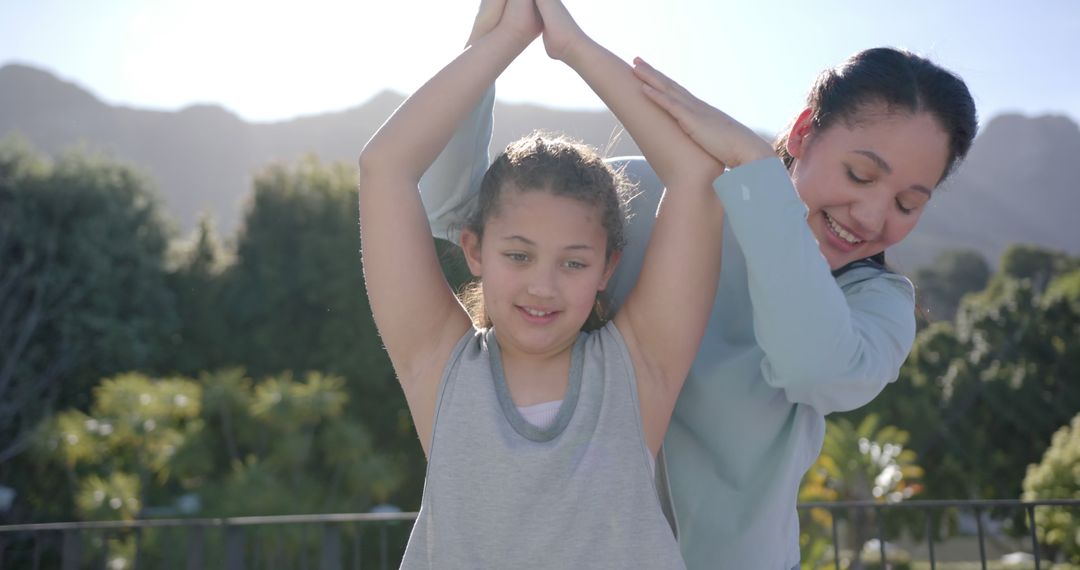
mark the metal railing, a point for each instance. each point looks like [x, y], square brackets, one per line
[236, 550]
[931, 509]
[242, 543]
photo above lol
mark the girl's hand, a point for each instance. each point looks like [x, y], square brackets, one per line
[726, 139]
[561, 32]
[521, 18]
[487, 17]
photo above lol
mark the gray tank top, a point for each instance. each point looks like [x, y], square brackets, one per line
[503, 493]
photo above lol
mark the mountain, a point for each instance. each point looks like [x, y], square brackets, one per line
[203, 157]
[1019, 183]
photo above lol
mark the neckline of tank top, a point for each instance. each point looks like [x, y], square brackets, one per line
[573, 389]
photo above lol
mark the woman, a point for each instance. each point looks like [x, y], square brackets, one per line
[807, 319]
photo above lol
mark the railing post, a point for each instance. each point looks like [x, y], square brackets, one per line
[37, 550]
[331, 547]
[930, 536]
[104, 550]
[881, 534]
[982, 540]
[835, 539]
[70, 554]
[1034, 535]
[196, 550]
[358, 553]
[384, 554]
[138, 548]
[234, 547]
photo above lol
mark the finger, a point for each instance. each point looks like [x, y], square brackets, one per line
[657, 79]
[487, 17]
[490, 9]
[672, 106]
[648, 74]
[654, 77]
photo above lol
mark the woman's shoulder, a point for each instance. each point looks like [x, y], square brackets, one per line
[868, 276]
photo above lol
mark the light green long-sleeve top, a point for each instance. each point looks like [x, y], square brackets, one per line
[786, 344]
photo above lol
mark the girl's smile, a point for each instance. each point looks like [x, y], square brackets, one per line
[542, 261]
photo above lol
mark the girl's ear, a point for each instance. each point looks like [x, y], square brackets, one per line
[470, 246]
[799, 133]
[612, 263]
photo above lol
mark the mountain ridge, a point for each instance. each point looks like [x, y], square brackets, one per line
[1018, 184]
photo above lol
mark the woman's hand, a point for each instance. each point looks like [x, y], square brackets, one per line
[726, 139]
[521, 18]
[487, 17]
[561, 32]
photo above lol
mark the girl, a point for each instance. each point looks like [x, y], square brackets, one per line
[806, 322]
[575, 491]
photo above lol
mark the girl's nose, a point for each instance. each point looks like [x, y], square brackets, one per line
[542, 283]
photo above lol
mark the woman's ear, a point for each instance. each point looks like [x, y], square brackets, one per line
[470, 246]
[799, 133]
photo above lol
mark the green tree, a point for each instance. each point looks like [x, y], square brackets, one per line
[279, 446]
[953, 274]
[981, 397]
[296, 289]
[119, 451]
[867, 462]
[1057, 476]
[1037, 264]
[202, 340]
[83, 293]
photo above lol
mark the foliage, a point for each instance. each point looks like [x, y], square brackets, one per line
[281, 446]
[202, 340]
[296, 290]
[953, 274]
[148, 446]
[867, 462]
[120, 451]
[1057, 476]
[83, 294]
[981, 397]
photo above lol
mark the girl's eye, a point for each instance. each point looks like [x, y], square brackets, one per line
[854, 178]
[517, 257]
[575, 265]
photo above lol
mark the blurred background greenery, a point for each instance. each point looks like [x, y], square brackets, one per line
[147, 373]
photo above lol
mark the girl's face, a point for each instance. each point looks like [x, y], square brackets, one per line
[541, 262]
[866, 184]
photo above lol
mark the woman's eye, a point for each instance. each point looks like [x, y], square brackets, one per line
[855, 178]
[903, 209]
[575, 265]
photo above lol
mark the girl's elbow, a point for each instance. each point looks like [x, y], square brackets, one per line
[368, 159]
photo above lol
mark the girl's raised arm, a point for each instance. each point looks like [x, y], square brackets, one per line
[416, 313]
[664, 317]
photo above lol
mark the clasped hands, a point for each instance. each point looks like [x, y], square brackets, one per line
[726, 139]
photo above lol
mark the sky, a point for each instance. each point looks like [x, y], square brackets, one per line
[270, 60]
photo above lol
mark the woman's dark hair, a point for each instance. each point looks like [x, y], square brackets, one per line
[558, 165]
[900, 80]
[903, 82]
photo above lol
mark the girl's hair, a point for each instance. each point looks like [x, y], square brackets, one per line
[563, 167]
[903, 82]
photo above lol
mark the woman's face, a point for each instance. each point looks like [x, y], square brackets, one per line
[866, 183]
